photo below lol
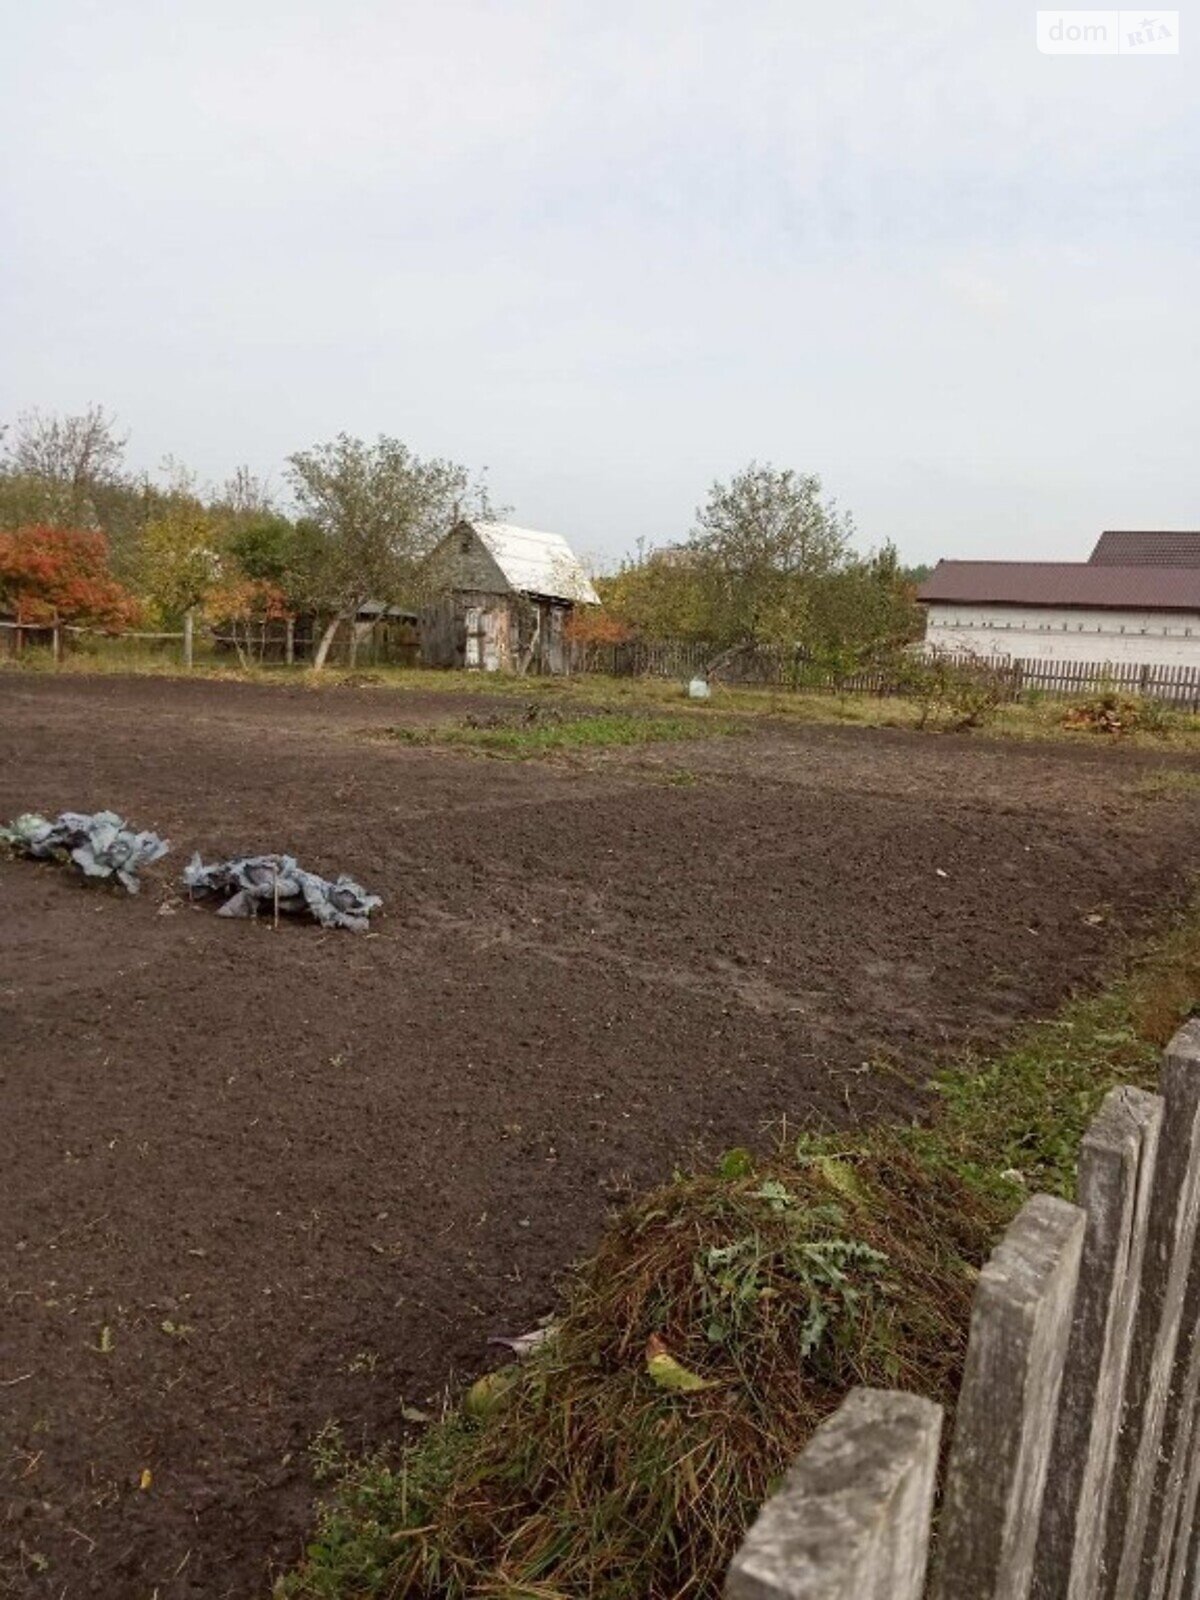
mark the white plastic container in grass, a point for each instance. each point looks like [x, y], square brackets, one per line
[698, 689]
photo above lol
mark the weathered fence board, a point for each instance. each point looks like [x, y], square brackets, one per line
[1020, 1329]
[1182, 1580]
[1189, 1537]
[1116, 1173]
[1173, 1462]
[852, 1520]
[1137, 1502]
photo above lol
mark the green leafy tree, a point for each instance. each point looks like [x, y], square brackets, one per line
[862, 612]
[263, 546]
[760, 544]
[181, 556]
[658, 595]
[260, 544]
[378, 510]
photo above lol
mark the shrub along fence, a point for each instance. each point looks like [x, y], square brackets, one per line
[1074, 1468]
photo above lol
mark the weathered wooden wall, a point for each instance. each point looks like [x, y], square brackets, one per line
[495, 632]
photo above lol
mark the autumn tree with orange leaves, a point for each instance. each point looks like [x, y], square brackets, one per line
[245, 606]
[50, 575]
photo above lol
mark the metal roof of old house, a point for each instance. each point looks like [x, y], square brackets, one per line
[537, 563]
[1121, 548]
[1064, 583]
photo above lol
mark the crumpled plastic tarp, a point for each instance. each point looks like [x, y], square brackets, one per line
[256, 883]
[98, 842]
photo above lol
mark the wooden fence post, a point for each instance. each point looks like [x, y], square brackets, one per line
[852, 1520]
[1020, 1330]
[1177, 1441]
[188, 626]
[57, 640]
[289, 642]
[1183, 1583]
[1135, 1528]
[1116, 1180]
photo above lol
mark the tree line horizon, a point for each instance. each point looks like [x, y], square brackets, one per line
[768, 562]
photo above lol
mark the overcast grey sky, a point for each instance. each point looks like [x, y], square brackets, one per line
[612, 251]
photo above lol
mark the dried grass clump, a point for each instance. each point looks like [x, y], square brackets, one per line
[595, 1471]
[1116, 714]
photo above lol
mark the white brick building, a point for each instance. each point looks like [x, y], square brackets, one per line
[1136, 600]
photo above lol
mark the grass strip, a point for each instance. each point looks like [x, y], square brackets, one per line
[539, 736]
[1038, 717]
[773, 1286]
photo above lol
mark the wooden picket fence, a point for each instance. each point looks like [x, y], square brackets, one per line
[641, 658]
[772, 668]
[1177, 683]
[390, 642]
[387, 641]
[1074, 1468]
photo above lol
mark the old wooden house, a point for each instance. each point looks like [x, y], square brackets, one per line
[502, 599]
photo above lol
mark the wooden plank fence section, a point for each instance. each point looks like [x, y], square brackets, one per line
[1182, 1583]
[1075, 1467]
[768, 668]
[852, 1521]
[642, 658]
[391, 642]
[1020, 1329]
[1176, 683]
[1116, 1179]
[1134, 1532]
[1172, 1462]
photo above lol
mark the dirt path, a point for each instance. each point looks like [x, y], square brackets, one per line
[257, 1179]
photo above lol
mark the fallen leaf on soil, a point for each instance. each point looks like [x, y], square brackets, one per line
[485, 1393]
[671, 1374]
[146, 1479]
[736, 1163]
[524, 1344]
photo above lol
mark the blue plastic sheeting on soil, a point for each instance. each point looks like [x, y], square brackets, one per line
[256, 883]
[98, 842]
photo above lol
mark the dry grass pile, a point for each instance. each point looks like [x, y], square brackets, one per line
[1117, 714]
[721, 1319]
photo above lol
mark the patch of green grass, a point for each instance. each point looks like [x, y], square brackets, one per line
[1168, 783]
[842, 1259]
[532, 736]
[674, 778]
[1037, 717]
[100, 657]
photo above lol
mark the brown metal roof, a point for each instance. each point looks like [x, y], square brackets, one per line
[1136, 549]
[1064, 583]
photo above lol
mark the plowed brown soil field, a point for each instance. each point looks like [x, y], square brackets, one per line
[254, 1179]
